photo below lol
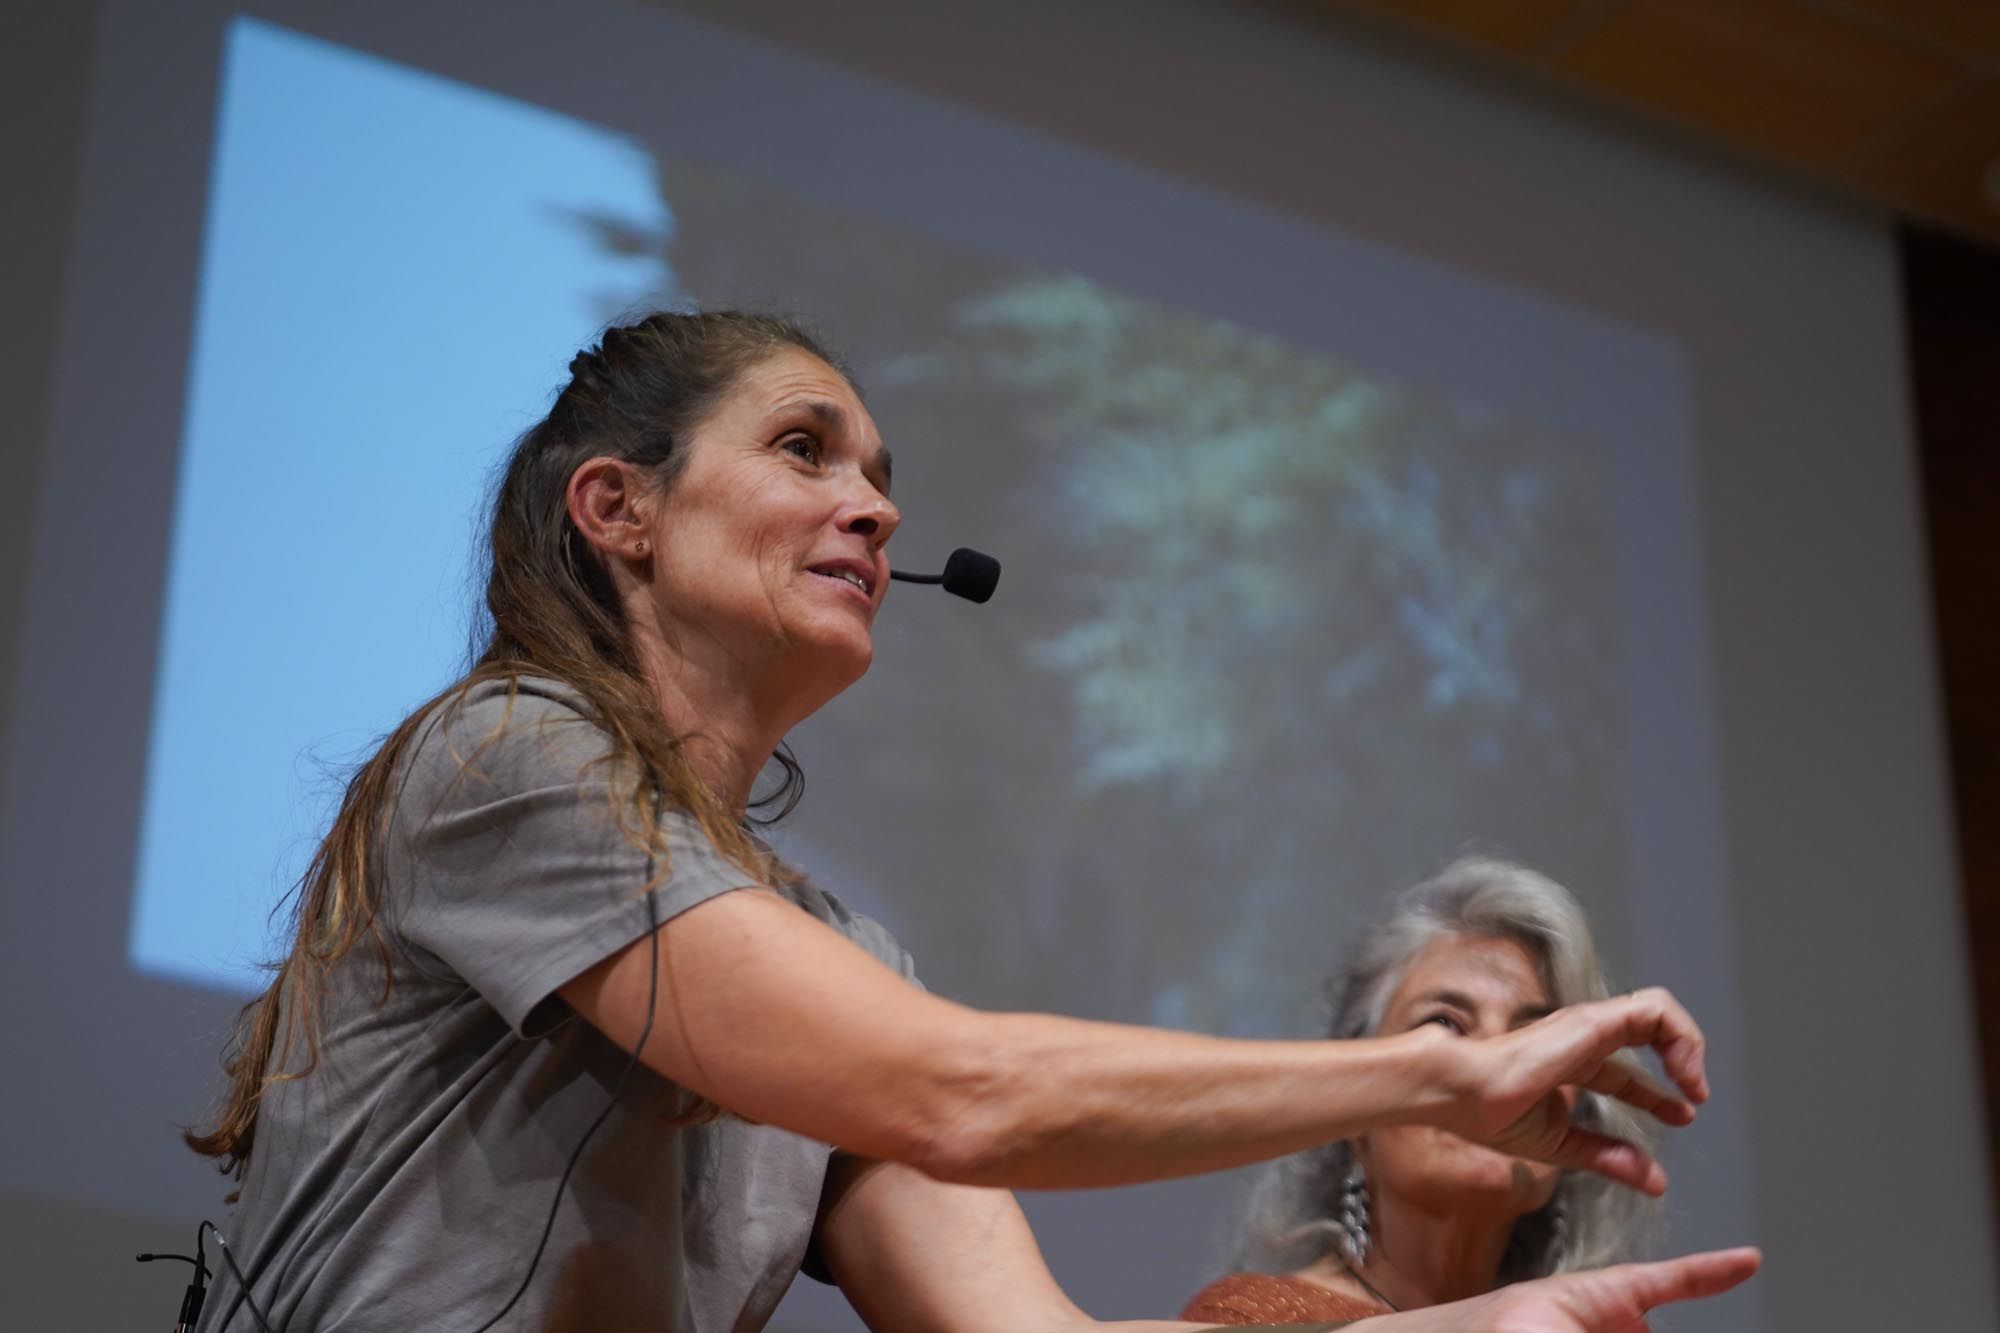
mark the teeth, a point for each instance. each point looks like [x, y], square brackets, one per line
[846, 574]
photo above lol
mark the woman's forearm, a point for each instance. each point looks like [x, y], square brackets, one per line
[1051, 1101]
[772, 1016]
[1047, 1102]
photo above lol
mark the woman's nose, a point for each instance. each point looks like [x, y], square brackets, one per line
[873, 516]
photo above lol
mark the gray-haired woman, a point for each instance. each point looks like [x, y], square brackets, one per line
[1406, 1216]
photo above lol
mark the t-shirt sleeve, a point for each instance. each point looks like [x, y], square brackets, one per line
[863, 930]
[509, 863]
[871, 935]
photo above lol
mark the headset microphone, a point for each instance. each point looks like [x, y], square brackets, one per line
[970, 574]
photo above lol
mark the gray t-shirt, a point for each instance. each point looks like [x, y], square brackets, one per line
[404, 1182]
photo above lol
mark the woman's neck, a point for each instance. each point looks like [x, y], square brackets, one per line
[1418, 1258]
[729, 736]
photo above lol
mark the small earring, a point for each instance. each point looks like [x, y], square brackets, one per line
[1350, 1218]
[643, 548]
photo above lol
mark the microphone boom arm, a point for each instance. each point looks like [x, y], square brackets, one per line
[970, 574]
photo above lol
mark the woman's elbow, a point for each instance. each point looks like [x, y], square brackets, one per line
[974, 1125]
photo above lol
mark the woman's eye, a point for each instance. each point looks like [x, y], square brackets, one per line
[1446, 1021]
[801, 446]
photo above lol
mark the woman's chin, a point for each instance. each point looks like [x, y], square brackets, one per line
[843, 654]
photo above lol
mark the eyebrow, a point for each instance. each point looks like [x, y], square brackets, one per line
[830, 416]
[1527, 1013]
[1456, 999]
[827, 414]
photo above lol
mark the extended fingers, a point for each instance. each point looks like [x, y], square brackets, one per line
[1615, 1300]
[1654, 1018]
[1688, 1278]
[1619, 1078]
[1614, 1159]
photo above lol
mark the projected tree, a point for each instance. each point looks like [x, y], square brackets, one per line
[1313, 604]
[1275, 635]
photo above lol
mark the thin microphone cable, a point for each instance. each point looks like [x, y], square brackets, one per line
[325, 1209]
[242, 1287]
[576, 1154]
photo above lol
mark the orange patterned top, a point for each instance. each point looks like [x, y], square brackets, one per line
[1259, 1298]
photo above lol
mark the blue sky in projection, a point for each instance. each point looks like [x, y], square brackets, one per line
[392, 283]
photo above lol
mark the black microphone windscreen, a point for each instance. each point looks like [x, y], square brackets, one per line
[971, 574]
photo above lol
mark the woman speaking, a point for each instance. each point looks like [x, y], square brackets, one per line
[560, 1043]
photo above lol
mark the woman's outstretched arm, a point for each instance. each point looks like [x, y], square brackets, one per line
[778, 1018]
[1605, 1300]
[916, 1255]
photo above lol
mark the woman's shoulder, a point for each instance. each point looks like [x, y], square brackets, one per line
[503, 701]
[503, 705]
[863, 930]
[1262, 1298]
[516, 726]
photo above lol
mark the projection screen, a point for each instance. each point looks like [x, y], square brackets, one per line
[1326, 559]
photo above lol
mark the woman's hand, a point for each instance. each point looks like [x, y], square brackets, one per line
[1606, 1300]
[1514, 1092]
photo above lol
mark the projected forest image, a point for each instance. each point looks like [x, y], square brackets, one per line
[1274, 638]
[1276, 633]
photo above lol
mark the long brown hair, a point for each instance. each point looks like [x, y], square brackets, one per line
[550, 611]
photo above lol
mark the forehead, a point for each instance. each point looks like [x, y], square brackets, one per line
[792, 380]
[1499, 971]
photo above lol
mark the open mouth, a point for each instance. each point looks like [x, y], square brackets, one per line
[843, 574]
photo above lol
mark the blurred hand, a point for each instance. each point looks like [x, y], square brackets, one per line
[1515, 1091]
[1606, 1300]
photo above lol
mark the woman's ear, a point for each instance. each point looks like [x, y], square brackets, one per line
[611, 509]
